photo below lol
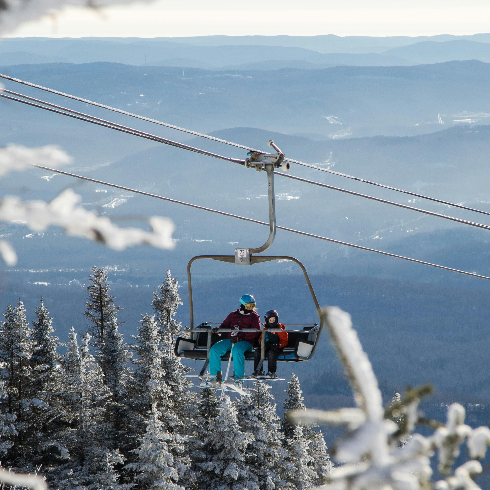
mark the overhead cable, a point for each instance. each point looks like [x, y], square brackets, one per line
[126, 113]
[251, 220]
[230, 143]
[364, 181]
[385, 201]
[118, 127]
[110, 125]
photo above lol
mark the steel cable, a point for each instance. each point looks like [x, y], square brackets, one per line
[237, 145]
[110, 125]
[385, 201]
[251, 220]
[126, 113]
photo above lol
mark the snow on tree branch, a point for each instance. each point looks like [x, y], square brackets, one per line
[16, 157]
[15, 12]
[63, 211]
[370, 450]
[22, 481]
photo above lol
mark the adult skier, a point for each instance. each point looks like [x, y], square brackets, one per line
[274, 343]
[244, 317]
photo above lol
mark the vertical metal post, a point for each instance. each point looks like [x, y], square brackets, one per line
[269, 168]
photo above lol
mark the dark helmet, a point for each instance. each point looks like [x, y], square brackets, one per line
[270, 314]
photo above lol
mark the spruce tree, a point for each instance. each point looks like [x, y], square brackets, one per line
[165, 302]
[207, 410]
[318, 458]
[47, 413]
[16, 349]
[152, 385]
[100, 308]
[265, 454]
[87, 438]
[226, 444]
[299, 474]
[154, 467]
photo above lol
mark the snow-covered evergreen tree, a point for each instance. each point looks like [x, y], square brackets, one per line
[46, 411]
[154, 467]
[294, 401]
[16, 349]
[318, 458]
[226, 444]
[92, 463]
[7, 427]
[299, 473]
[100, 308]
[257, 415]
[115, 357]
[165, 302]
[154, 382]
[207, 410]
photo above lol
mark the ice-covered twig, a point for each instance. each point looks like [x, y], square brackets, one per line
[16, 157]
[351, 417]
[63, 211]
[448, 439]
[7, 253]
[15, 12]
[478, 442]
[22, 481]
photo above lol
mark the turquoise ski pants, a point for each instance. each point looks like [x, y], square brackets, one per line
[221, 348]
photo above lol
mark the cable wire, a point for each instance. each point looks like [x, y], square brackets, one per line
[385, 201]
[237, 145]
[130, 114]
[117, 127]
[251, 220]
[364, 181]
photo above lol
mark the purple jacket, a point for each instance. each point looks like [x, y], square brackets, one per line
[243, 321]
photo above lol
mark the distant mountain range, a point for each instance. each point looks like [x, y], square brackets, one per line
[248, 52]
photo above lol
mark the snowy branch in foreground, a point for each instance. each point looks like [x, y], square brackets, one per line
[15, 12]
[370, 451]
[16, 157]
[77, 221]
[22, 481]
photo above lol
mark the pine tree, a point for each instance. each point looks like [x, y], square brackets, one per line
[152, 385]
[101, 310]
[165, 302]
[154, 467]
[299, 475]
[265, 454]
[294, 401]
[115, 357]
[16, 349]
[46, 413]
[318, 458]
[226, 445]
[207, 410]
[92, 462]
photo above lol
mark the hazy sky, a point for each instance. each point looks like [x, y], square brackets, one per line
[269, 17]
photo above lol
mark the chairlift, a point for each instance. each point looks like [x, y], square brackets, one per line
[302, 342]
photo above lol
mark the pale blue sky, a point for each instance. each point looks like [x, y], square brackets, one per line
[164, 18]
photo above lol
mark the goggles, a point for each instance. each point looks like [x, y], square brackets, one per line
[249, 306]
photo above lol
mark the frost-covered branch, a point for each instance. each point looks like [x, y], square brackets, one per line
[64, 211]
[15, 12]
[372, 458]
[16, 157]
[22, 481]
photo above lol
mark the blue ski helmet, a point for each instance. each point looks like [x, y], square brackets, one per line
[248, 301]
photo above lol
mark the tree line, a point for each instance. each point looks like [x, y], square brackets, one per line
[96, 412]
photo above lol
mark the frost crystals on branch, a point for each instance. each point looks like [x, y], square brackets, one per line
[63, 211]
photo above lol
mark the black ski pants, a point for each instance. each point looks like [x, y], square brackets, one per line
[270, 356]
